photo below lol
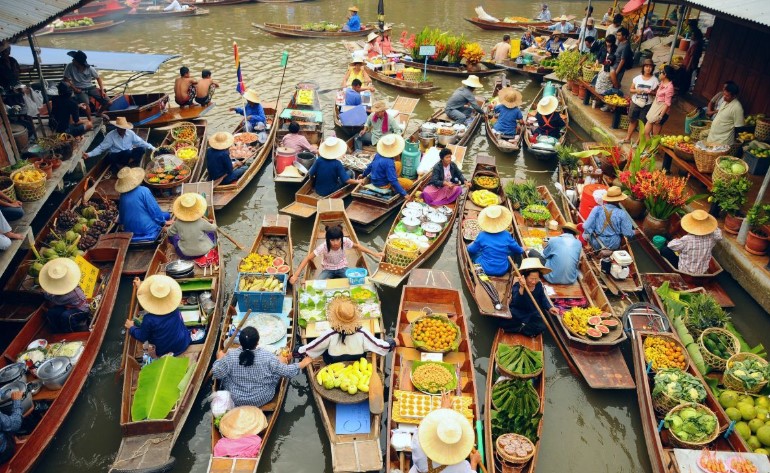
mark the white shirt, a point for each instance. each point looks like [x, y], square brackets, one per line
[420, 461]
[355, 344]
[612, 29]
[640, 83]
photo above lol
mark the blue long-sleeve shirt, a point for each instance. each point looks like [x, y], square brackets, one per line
[561, 257]
[354, 23]
[115, 143]
[619, 224]
[10, 423]
[521, 306]
[140, 214]
[382, 172]
[166, 332]
[329, 175]
[254, 113]
[218, 163]
[491, 251]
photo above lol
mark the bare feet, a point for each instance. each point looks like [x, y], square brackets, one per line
[14, 236]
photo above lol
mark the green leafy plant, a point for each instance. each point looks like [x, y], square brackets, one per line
[568, 65]
[758, 216]
[567, 159]
[537, 213]
[730, 195]
[705, 312]
[522, 194]
[158, 388]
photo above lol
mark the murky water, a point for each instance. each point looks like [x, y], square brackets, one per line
[585, 430]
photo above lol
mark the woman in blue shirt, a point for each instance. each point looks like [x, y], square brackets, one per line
[508, 112]
[329, 173]
[218, 162]
[138, 211]
[494, 244]
[253, 111]
[354, 21]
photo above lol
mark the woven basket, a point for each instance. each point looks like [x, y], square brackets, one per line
[762, 130]
[505, 458]
[706, 160]
[512, 374]
[189, 162]
[8, 191]
[663, 403]
[399, 257]
[720, 174]
[731, 382]
[183, 127]
[413, 76]
[589, 73]
[29, 191]
[697, 127]
[677, 442]
[684, 155]
[709, 358]
[671, 338]
[736, 149]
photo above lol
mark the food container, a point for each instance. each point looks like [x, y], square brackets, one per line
[445, 210]
[427, 140]
[411, 224]
[54, 372]
[40, 344]
[411, 213]
[428, 127]
[6, 403]
[437, 217]
[447, 136]
[180, 269]
[431, 230]
[356, 276]
[414, 205]
[13, 372]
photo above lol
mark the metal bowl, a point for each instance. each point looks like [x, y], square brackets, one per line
[410, 224]
[179, 267]
[437, 217]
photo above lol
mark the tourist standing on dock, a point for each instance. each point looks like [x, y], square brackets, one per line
[624, 57]
[68, 309]
[728, 118]
[221, 167]
[617, 23]
[191, 234]
[692, 57]
[545, 14]
[643, 88]
[462, 103]
[138, 211]
[694, 249]
[658, 113]
[607, 222]
[80, 75]
[123, 146]
[526, 315]
[162, 325]
[502, 50]
[354, 21]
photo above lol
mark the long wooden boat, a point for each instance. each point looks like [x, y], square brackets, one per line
[279, 1]
[146, 445]
[107, 256]
[306, 199]
[176, 114]
[461, 71]
[652, 281]
[600, 362]
[535, 72]
[546, 32]
[533, 343]
[274, 239]
[511, 145]
[408, 86]
[99, 10]
[506, 25]
[432, 290]
[138, 108]
[310, 119]
[103, 25]
[213, 3]
[148, 14]
[469, 212]
[200, 143]
[541, 153]
[296, 31]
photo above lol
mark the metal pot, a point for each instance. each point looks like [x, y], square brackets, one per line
[13, 372]
[6, 403]
[411, 224]
[445, 140]
[428, 127]
[427, 140]
[54, 372]
[431, 230]
[306, 159]
[437, 217]
[411, 213]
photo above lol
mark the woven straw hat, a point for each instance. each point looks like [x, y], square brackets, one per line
[129, 179]
[699, 222]
[221, 140]
[189, 207]
[344, 315]
[371, 37]
[59, 276]
[614, 194]
[495, 219]
[532, 264]
[547, 105]
[242, 422]
[121, 122]
[509, 97]
[353, 8]
[570, 227]
[390, 146]
[159, 294]
[561, 18]
[473, 81]
[332, 148]
[290, 171]
[379, 106]
[446, 436]
[251, 95]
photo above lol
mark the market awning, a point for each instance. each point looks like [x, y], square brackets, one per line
[18, 18]
[105, 60]
[752, 11]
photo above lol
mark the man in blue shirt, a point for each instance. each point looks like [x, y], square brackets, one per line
[353, 93]
[607, 223]
[253, 112]
[562, 255]
[218, 162]
[562, 26]
[354, 21]
[329, 173]
[382, 170]
[124, 147]
[138, 211]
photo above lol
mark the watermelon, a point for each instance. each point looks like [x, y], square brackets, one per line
[593, 333]
[606, 315]
[278, 262]
[283, 269]
[611, 323]
[595, 320]
[602, 329]
[272, 270]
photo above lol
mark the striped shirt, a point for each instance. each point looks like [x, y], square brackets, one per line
[253, 385]
[358, 343]
[695, 251]
[334, 259]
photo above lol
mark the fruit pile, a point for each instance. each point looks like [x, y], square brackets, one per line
[484, 198]
[249, 283]
[686, 147]
[403, 244]
[751, 120]
[187, 153]
[760, 152]
[435, 334]
[161, 175]
[519, 359]
[184, 133]
[536, 213]
[350, 379]
[486, 182]
[751, 416]
[28, 176]
[670, 141]
[89, 221]
[59, 248]
[516, 19]
[256, 263]
[692, 424]
[516, 409]
[664, 353]
[433, 377]
[615, 101]
[74, 23]
[745, 136]
[591, 322]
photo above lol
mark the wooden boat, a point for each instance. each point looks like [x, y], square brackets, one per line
[296, 31]
[157, 12]
[533, 343]
[213, 3]
[505, 25]
[107, 257]
[485, 166]
[99, 10]
[429, 289]
[652, 281]
[600, 362]
[461, 71]
[310, 119]
[274, 238]
[201, 144]
[547, 32]
[103, 25]
[511, 145]
[176, 114]
[546, 153]
[535, 71]
[409, 86]
[278, 1]
[137, 108]
[146, 445]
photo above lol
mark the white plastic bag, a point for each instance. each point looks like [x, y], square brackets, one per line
[429, 159]
[221, 402]
[33, 100]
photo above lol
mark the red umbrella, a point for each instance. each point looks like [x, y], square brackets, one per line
[632, 6]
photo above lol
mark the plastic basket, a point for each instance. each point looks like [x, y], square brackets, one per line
[8, 190]
[711, 359]
[398, 257]
[720, 175]
[356, 276]
[266, 302]
[705, 161]
[677, 442]
[762, 130]
[731, 382]
[29, 191]
[757, 166]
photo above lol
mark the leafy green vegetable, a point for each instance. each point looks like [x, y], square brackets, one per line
[751, 372]
[705, 312]
[691, 424]
[679, 385]
[519, 359]
[158, 388]
[517, 407]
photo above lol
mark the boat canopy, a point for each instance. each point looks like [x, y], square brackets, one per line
[105, 60]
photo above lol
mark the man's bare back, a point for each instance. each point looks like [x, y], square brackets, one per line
[202, 87]
[182, 87]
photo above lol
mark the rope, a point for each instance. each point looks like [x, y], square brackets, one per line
[142, 450]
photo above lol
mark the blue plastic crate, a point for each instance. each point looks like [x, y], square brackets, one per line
[266, 302]
[356, 276]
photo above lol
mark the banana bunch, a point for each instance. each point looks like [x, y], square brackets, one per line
[29, 176]
[351, 379]
[256, 263]
[484, 198]
[260, 284]
[615, 100]
[745, 136]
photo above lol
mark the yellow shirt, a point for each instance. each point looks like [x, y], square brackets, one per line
[356, 75]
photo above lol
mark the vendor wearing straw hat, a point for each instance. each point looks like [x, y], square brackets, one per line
[549, 121]
[695, 248]
[122, 145]
[462, 103]
[68, 307]
[221, 167]
[138, 211]
[354, 21]
[444, 442]
[446, 182]
[562, 255]
[242, 422]
[508, 113]
[377, 125]
[357, 71]
[383, 171]
[555, 44]
[526, 316]
[562, 26]
[607, 222]
[346, 340]
[253, 111]
[494, 244]
[372, 48]
[162, 324]
[383, 41]
[329, 173]
[191, 234]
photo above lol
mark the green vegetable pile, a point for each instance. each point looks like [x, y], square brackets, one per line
[751, 372]
[75, 23]
[718, 345]
[679, 385]
[704, 312]
[516, 409]
[536, 212]
[524, 194]
[692, 424]
[519, 359]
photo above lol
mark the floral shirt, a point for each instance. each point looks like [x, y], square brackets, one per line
[334, 259]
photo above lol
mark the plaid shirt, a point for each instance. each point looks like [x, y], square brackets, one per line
[74, 299]
[695, 251]
[252, 385]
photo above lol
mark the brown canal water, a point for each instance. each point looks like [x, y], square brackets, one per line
[585, 430]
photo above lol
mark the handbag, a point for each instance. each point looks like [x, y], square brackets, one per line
[656, 112]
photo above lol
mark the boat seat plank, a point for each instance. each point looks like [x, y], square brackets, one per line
[232, 465]
[137, 262]
[362, 213]
[604, 370]
[571, 291]
[434, 306]
[357, 455]
[299, 209]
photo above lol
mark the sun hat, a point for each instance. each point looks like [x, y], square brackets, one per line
[251, 95]
[159, 294]
[570, 227]
[533, 264]
[332, 148]
[121, 122]
[547, 105]
[129, 179]
[509, 97]
[379, 106]
[221, 140]
[390, 146]
[371, 37]
[561, 18]
[357, 58]
[59, 276]
[614, 194]
[189, 207]
[699, 222]
[353, 8]
[79, 57]
[494, 219]
[650, 62]
[344, 315]
[242, 421]
[446, 436]
[290, 171]
[473, 81]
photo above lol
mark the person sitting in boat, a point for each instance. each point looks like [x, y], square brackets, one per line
[297, 141]
[502, 50]
[68, 309]
[79, 75]
[138, 211]
[527, 40]
[549, 121]
[354, 21]
[545, 14]
[353, 93]
[221, 167]
[334, 260]
[254, 112]
[329, 173]
[555, 44]
[191, 234]
[372, 49]
[11, 209]
[446, 182]
[65, 113]
[562, 255]
[174, 5]
[462, 103]
[185, 88]
[9, 425]
[378, 124]
[608, 223]
[526, 315]
[123, 146]
[508, 113]
[383, 171]
[562, 26]
[694, 249]
[444, 442]
[357, 71]
[205, 88]
[384, 43]
[162, 324]
[6, 234]
[494, 244]
[251, 374]
[346, 340]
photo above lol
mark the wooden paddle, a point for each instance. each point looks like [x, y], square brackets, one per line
[123, 359]
[233, 240]
[376, 401]
[92, 190]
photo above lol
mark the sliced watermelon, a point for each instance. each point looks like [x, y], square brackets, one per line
[593, 333]
[278, 262]
[283, 269]
[272, 270]
[595, 320]
[606, 315]
[603, 329]
[611, 323]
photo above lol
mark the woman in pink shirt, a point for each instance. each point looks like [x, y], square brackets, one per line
[296, 141]
[334, 261]
[658, 113]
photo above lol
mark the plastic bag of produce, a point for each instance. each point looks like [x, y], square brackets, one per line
[221, 402]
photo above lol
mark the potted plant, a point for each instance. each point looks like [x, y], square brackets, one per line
[455, 50]
[568, 67]
[640, 166]
[472, 53]
[614, 159]
[536, 214]
[756, 240]
[731, 196]
[664, 196]
[569, 162]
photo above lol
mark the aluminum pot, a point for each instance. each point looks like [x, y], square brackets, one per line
[54, 372]
[437, 217]
[427, 140]
[13, 372]
[445, 140]
[6, 403]
[431, 230]
[411, 213]
[411, 224]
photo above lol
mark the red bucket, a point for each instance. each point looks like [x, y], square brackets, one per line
[587, 202]
[284, 157]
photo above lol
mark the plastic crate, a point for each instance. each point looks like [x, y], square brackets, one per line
[265, 302]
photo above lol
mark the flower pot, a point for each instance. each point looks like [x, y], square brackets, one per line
[634, 207]
[46, 167]
[652, 226]
[732, 224]
[756, 244]
[473, 67]
[582, 92]
[575, 89]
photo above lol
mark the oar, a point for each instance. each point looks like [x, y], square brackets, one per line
[376, 401]
[125, 343]
[235, 242]
[91, 190]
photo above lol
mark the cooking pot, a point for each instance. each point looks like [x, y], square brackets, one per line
[431, 230]
[6, 403]
[411, 224]
[427, 140]
[445, 140]
[437, 217]
[414, 205]
[428, 127]
[411, 213]
[54, 372]
[13, 372]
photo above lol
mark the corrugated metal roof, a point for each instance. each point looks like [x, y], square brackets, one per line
[755, 11]
[19, 16]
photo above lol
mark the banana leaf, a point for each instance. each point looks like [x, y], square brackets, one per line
[158, 389]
